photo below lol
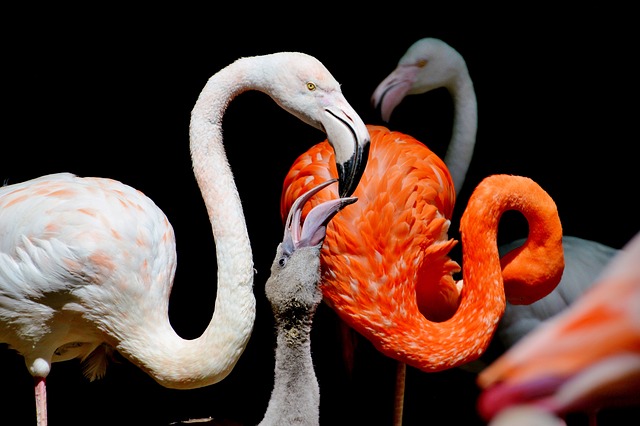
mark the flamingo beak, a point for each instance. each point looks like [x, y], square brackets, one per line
[350, 139]
[312, 231]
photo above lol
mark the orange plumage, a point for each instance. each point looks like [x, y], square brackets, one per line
[385, 263]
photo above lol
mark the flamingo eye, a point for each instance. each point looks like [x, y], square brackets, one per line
[311, 86]
[421, 63]
[282, 262]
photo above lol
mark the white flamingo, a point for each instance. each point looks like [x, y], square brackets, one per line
[87, 264]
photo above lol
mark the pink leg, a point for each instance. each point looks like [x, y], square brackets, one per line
[41, 401]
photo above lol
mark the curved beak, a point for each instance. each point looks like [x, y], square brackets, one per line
[313, 230]
[349, 137]
[393, 89]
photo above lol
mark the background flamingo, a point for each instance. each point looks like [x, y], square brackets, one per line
[536, 93]
[584, 359]
[88, 264]
[431, 64]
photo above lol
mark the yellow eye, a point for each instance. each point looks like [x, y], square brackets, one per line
[311, 86]
[421, 63]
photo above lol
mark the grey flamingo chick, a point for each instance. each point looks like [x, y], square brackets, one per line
[294, 293]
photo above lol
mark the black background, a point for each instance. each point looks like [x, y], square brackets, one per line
[109, 94]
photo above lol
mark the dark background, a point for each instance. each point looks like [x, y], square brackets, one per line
[109, 94]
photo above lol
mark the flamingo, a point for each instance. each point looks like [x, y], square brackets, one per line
[385, 265]
[87, 263]
[429, 64]
[584, 359]
[294, 294]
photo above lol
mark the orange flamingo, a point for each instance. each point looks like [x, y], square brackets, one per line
[386, 269]
[584, 359]
[429, 64]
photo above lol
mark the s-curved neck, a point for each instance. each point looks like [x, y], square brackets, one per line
[483, 295]
[466, 335]
[171, 360]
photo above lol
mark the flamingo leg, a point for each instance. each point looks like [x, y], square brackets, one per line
[401, 376]
[41, 401]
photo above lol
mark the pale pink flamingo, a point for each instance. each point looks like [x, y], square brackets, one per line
[87, 264]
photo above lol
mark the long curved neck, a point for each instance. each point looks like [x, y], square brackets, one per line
[295, 398]
[465, 124]
[483, 296]
[465, 336]
[175, 362]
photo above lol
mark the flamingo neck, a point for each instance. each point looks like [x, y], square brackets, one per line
[483, 294]
[465, 125]
[184, 364]
[464, 337]
[296, 393]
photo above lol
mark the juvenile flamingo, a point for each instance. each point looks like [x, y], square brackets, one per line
[87, 264]
[294, 293]
[584, 359]
[385, 265]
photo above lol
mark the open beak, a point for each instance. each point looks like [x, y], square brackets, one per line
[313, 230]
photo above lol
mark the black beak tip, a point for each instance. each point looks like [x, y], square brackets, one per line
[350, 172]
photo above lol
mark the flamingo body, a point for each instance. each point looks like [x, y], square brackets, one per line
[68, 248]
[386, 270]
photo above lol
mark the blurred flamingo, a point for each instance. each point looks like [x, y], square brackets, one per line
[87, 264]
[386, 269]
[584, 359]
